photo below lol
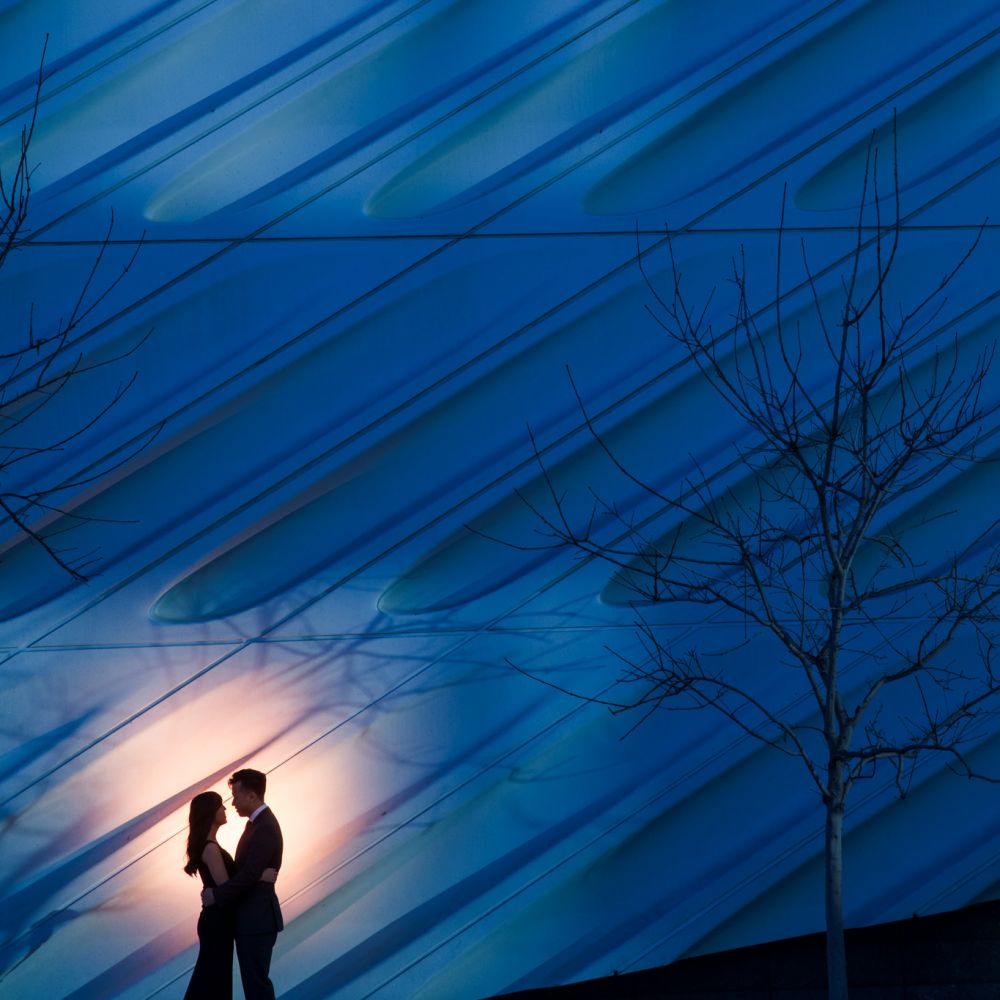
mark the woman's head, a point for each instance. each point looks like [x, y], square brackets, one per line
[204, 807]
[206, 812]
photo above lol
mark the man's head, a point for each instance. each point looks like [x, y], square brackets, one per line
[248, 790]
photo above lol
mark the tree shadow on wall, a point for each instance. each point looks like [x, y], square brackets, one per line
[17, 908]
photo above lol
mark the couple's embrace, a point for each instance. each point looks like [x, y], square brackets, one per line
[239, 905]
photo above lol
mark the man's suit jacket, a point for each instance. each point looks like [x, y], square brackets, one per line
[255, 902]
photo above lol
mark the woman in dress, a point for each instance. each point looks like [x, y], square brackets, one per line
[213, 973]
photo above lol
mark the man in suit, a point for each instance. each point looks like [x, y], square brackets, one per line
[258, 915]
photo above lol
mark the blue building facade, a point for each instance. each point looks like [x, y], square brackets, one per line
[376, 236]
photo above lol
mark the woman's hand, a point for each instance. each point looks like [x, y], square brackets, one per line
[269, 875]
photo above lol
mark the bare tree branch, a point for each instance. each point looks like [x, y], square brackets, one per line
[35, 371]
[849, 422]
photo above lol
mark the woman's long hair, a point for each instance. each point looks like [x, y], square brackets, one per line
[204, 806]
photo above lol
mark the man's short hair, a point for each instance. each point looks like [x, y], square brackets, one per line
[251, 780]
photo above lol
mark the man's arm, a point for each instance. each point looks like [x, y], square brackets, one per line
[259, 855]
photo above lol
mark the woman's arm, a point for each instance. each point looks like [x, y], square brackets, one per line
[264, 848]
[208, 895]
[212, 857]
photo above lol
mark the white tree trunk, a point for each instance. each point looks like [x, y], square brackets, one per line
[836, 956]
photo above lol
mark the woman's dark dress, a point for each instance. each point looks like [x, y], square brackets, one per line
[212, 978]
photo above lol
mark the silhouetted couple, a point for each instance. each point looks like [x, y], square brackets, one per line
[239, 904]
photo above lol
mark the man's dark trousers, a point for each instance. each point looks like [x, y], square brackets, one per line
[258, 915]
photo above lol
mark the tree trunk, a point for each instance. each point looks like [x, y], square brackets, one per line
[836, 956]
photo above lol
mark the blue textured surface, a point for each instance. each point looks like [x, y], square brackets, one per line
[377, 233]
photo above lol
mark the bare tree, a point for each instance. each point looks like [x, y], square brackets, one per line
[36, 367]
[852, 419]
